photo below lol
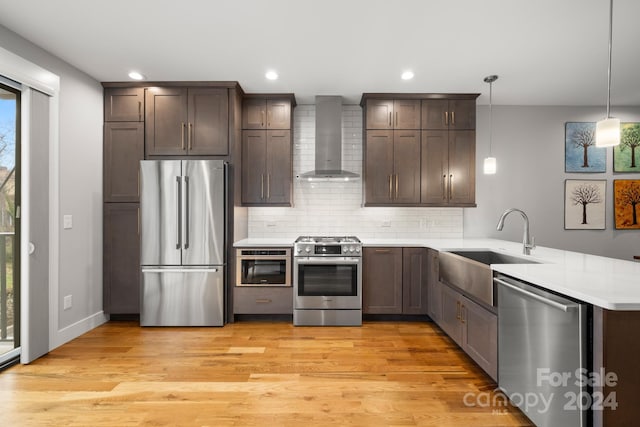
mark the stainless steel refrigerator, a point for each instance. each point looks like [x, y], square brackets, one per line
[182, 207]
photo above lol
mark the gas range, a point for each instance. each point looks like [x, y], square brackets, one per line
[326, 246]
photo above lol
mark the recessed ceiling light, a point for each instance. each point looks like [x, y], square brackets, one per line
[407, 75]
[271, 75]
[136, 75]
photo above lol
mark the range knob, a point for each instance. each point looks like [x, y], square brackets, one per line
[299, 250]
[351, 249]
[307, 249]
[357, 249]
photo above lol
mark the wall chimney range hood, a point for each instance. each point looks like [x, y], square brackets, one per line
[328, 145]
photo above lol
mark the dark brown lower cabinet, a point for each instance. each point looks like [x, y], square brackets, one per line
[382, 281]
[472, 327]
[434, 287]
[121, 275]
[394, 281]
[414, 278]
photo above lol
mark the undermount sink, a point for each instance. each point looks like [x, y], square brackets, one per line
[470, 271]
[491, 257]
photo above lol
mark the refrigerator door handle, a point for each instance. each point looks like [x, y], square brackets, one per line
[186, 213]
[179, 270]
[179, 213]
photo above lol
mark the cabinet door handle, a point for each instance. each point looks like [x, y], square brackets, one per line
[463, 314]
[138, 221]
[390, 124]
[396, 119]
[262, 118]
[263, 301]
[182, 126]
[268, 186]
[450, 185]
[444, 186]
[453, 118]
[390, 187]
[396, 186]
[262, 186]
[446, 118]
[458, 310]
[190, 136]
[139, 110]
[268, 118]
[382, 251]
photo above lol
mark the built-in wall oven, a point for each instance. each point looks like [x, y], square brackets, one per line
[263, 267]
[327, 280]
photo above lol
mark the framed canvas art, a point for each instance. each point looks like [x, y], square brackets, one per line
[584, 204]
[580, 151]
[626, 156]
[626, 198]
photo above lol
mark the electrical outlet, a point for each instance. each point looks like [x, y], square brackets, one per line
[68, 302]
[423, 224]
[269, 223]
[67, 222]
[386, 223]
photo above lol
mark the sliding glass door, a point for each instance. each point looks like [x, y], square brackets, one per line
[9, 222]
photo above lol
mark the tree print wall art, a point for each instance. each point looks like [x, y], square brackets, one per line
[626, 156]
[580, 151]
[626, 203]
[584, 204]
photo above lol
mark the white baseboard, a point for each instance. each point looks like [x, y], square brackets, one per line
[73, 331]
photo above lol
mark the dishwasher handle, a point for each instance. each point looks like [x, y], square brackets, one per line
[535, 296]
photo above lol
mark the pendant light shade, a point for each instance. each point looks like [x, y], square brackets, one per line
[608, 132]
[490, 163]
[608, 129]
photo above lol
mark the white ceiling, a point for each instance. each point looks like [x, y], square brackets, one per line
[546, 52]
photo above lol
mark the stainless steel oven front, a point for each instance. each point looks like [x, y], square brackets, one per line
[327, 283]
[263, 267]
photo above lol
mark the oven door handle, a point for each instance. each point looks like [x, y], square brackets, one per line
[262, 258]
[328, 260]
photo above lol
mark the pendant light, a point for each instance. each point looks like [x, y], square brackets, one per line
[608, 129]
[490, 162]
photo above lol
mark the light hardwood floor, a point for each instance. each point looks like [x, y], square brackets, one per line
[255, 374]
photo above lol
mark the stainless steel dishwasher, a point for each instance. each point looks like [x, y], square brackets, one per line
[542, 353]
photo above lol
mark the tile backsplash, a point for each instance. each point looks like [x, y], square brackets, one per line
[335, 208]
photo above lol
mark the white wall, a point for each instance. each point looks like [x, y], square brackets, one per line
[79, 175]
[528, 143]
[335, 208]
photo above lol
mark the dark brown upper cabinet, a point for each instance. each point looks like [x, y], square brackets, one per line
[267, 155]
[393, 114]
[392, 165]
[187, 121]
[448, 168]
[124, 104]
[400, 161]
[123, 149]
[266, 167]
[448, 114]
[259, 113]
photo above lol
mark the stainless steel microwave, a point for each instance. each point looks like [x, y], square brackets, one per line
[263, 267]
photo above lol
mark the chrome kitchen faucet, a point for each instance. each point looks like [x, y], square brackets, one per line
[528, 242]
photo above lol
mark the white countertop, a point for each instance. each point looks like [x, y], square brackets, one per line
[605, 282]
